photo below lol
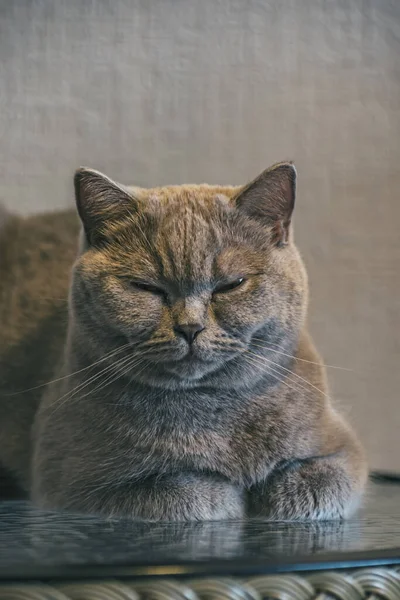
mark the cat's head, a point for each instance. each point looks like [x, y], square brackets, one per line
[197, 279]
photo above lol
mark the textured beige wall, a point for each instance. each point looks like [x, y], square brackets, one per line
[159, 91]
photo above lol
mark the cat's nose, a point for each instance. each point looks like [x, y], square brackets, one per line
[189, 331]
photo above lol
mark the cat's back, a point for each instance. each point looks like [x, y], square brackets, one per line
[36, 256]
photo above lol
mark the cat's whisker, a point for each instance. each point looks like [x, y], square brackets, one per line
[291, 373]
[298, 385]
[277, 376]
[267, 347]
[42, 385]
[282, 378]
[131, 361]
[113, 377]
[131, 379]
[75, 392]
[229, 346]
[151, 344]
[138, 372]
[68, 395]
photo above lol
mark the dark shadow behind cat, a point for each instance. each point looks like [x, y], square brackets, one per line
[184, 384]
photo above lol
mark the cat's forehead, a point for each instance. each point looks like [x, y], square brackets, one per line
[189, 233]
[204, 195]
[185, 233]
[194, 235]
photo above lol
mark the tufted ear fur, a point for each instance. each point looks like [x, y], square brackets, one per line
[270, 198]
[100, 202]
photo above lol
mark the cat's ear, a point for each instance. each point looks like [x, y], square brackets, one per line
[270, 199]
[100, 201]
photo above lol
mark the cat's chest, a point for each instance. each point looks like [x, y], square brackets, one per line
[220, 441]
[218, 452]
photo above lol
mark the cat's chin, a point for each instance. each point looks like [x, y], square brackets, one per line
[191, 370]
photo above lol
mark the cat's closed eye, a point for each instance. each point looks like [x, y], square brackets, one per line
[223, 288]
[228, 287]
[147, 287]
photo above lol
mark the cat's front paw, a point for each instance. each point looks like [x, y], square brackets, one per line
[183, 497]
[315, 490]
[190, 498]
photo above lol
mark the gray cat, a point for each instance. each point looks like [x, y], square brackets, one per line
[183, 382]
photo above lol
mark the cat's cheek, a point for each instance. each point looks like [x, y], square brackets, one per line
[229, 314]
[239, 318]
[132, 315]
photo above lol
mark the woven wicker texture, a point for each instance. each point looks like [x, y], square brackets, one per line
[371, 584]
